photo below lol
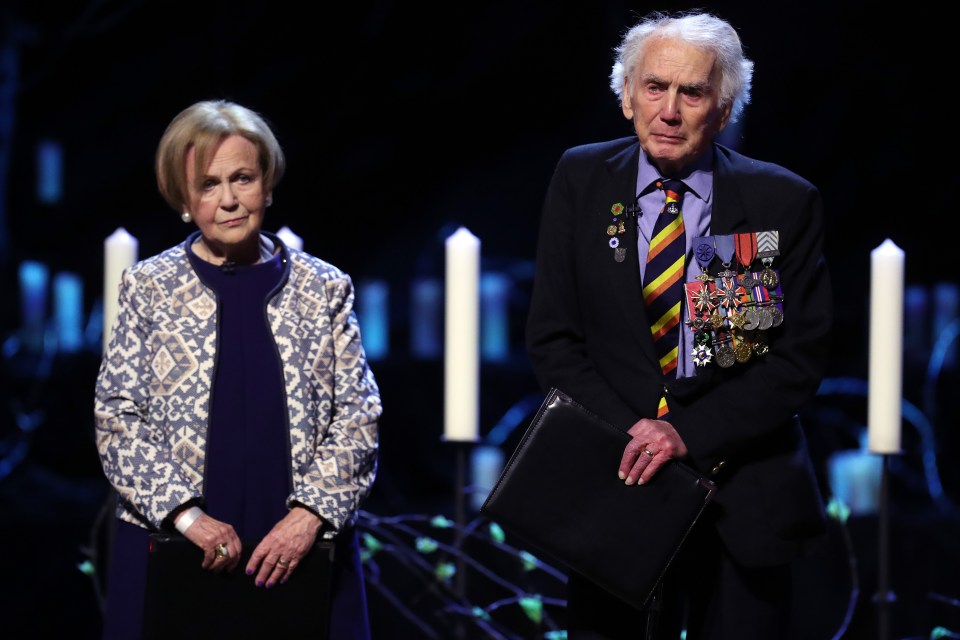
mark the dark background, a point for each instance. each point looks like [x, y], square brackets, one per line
[402, 121]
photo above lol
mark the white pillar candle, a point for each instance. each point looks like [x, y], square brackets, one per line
[461, 371]
[290, 239]
[886, 348]
[119, 252]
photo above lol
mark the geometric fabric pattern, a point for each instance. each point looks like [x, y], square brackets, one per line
[154, 385]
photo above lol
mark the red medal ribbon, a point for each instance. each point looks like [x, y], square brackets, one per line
[746, 248]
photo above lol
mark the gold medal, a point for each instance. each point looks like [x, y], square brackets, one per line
[742, 351]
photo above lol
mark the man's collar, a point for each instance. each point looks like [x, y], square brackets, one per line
[698, 176]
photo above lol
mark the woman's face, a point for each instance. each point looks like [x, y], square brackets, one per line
[229, 199]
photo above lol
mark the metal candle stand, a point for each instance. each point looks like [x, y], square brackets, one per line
[461, 449]
[884, 597]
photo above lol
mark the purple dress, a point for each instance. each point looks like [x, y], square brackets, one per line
[247, 478]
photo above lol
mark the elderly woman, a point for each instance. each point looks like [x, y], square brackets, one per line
[234, 401]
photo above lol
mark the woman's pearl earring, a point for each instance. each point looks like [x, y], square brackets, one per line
[186, 217]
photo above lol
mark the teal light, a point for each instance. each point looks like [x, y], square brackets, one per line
[494, 317]
[68, 311]
[374, 317]
[49, 172]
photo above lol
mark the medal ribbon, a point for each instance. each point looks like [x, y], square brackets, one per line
[768, 244]
[704, 250]
[725, 248]
[758, 293]
[746, 248]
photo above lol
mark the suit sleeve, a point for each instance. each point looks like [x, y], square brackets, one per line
[344, 463]
[133, 450]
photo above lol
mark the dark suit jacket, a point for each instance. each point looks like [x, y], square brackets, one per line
[588, 335]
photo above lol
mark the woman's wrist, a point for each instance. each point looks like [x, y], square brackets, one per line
[183, 520]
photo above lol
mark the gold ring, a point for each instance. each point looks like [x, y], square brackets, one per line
[283, 563]
[222, 551]
[648, 452]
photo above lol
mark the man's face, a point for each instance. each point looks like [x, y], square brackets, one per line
[674, 103]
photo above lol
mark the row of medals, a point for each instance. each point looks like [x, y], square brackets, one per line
[730, 313]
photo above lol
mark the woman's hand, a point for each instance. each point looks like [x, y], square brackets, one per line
[209, 534]
[281, 550]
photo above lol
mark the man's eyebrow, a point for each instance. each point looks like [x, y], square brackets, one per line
[696, 87]
[702, 86]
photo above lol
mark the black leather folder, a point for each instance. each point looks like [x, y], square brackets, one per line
[559, 492]
[184, 600]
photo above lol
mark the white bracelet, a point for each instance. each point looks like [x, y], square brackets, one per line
[183, 522]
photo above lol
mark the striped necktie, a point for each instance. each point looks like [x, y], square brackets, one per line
[663, 280]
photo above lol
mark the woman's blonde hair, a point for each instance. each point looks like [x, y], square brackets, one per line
[202, 127]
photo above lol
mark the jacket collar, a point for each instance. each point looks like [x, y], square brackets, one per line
[727, 213]
[625, 275]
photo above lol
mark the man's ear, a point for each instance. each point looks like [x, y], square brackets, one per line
[626, 100]
[725, 112]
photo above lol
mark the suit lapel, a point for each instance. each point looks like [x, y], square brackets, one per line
[727, 212]
[625, 276]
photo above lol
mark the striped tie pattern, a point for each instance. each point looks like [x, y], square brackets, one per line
[663, 280]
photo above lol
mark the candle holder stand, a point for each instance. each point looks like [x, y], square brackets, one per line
[462, 449]
[884, 597]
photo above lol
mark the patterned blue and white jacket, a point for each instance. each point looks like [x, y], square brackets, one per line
[153, 390]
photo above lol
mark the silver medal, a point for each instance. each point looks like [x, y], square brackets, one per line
[777, 316]
[725, 356]
[766, 319]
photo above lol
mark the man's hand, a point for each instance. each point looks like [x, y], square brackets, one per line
[654, 442]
